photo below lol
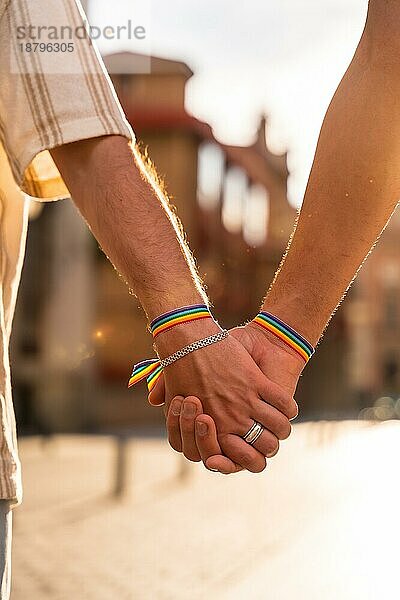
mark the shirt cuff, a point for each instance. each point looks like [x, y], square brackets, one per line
[39, 176]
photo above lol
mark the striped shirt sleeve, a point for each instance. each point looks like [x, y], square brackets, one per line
[54, 89]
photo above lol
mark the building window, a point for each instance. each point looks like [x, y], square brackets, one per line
[256, 216]
[211, 165]
[235, 192]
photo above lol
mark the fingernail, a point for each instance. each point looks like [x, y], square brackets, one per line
[213, 470]
[189, 409]
[176, 408]
[202, 428]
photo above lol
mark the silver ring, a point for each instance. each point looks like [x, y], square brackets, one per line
[254, 433]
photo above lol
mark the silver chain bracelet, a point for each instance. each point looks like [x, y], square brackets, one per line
[212, 339]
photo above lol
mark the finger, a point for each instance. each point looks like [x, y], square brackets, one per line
[267, 444]
[295, 411]
[172, 422]
[209, 448]
[271, 419]
[242, 453]
[218, 464]
[157, 395]
[191, 408]
[273, 394]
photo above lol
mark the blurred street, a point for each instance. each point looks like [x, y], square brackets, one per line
[321, 523]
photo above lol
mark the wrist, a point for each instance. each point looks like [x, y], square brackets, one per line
[291, 311]
[172, 340]
[267, 339]
[162, 301]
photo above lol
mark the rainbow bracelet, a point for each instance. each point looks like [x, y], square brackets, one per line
[152, 369]
[286, 334]
[185, 314]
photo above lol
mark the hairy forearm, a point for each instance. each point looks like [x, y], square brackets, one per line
[131, 219]
[353, 189]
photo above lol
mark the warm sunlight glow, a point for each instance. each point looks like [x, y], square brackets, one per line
[285, 58]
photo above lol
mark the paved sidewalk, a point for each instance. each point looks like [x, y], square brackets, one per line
[321, 523]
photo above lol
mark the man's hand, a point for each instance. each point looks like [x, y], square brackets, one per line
[277, 361]
[232, 402]
[195, 434]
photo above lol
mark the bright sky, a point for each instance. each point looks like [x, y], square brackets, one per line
[283, 57]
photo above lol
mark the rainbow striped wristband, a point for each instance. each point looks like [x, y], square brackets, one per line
[286, 334]
[185, 314]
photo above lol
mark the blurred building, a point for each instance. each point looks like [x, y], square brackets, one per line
[77, 329]
[373, 322]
